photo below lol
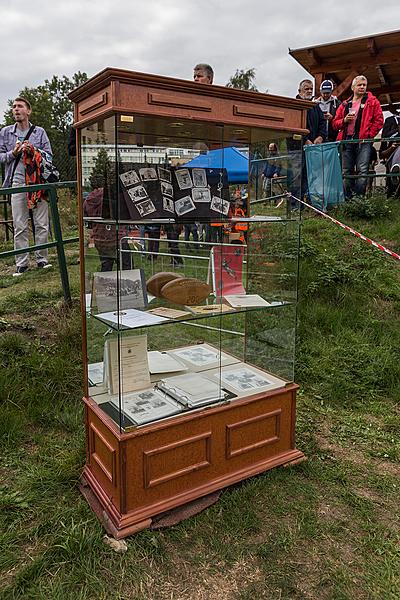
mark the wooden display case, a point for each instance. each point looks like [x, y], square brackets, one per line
[133, 474]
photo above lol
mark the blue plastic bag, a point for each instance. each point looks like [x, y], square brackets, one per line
[324, 175]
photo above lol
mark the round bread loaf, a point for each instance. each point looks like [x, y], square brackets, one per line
[186, 290]
[157, 281]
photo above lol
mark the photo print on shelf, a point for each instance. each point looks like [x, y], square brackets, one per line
[146, 208]
[129, 178]
[168, 204]
[183, 178]
[220, 205]
[164, 174]
[167, 189]
[201, 195]
[199, 178]
[148, 174]
[137, 193]
[184, 205]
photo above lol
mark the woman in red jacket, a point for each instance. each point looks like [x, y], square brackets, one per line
[358, 118]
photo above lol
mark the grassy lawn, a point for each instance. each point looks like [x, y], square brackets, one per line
[327, 529]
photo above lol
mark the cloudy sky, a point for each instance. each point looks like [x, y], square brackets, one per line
[168, 37]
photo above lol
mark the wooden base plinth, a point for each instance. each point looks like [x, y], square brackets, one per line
[131, 478]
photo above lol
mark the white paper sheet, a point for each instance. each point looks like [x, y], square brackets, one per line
[131, 318]
[161, 362]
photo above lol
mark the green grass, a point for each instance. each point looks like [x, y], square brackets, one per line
[326, 529]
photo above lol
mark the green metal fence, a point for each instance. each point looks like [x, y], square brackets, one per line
[59, 242]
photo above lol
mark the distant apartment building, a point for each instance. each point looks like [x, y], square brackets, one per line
[133, 154]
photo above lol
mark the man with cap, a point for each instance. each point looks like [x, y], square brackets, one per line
[328, 103]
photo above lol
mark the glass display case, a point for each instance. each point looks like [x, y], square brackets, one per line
[189, 257]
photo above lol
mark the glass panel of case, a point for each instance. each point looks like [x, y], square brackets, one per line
[191, 264]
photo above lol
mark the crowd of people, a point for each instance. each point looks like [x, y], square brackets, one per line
[354, 122]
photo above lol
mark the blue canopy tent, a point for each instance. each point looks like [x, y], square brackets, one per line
[236, 163]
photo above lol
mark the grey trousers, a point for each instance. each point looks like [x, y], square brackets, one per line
[20, 214]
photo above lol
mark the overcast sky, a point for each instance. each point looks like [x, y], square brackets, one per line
[168, 37]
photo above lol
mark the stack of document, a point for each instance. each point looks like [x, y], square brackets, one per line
[192, 390]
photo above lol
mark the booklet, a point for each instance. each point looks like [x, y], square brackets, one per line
[246, 300]
[192, 390]
[226, 269]
[127, 361]
[168, 313]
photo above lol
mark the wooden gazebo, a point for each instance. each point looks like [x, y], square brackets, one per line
[375, 56]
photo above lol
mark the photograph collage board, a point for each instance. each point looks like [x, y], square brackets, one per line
[153, 191]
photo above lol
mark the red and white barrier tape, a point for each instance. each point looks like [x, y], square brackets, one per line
[350, 229]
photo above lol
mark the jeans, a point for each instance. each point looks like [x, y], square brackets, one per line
[20, 214]
[356, 162]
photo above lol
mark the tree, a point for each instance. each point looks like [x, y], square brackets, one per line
[52, 110]
[243, 80]
[100, 169]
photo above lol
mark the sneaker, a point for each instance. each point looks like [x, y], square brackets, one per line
[19, 271]
[43, 265]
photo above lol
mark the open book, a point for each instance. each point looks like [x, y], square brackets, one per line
[192, 390]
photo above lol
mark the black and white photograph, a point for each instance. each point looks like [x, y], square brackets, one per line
[148, 174]
[167, 189]
[201, 195]
[199, 178]
[184, 205]
[183, 178]
[244, 379]
[220, 205]
[129, 293]
[129, 178]
[164, 174]
[137, 193]
[198, 355]
[146, 208]
[168, 204]
[149, 405]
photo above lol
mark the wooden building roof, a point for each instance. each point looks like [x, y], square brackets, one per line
[375, 56]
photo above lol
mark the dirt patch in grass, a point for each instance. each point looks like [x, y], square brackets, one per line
[189, 582]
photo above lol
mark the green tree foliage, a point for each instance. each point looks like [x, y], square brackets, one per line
[101, 167]
[52, 110]
[243, 80]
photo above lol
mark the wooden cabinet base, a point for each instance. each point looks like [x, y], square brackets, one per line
[130, 478]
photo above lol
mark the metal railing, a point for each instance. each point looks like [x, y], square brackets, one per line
[58, 242]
